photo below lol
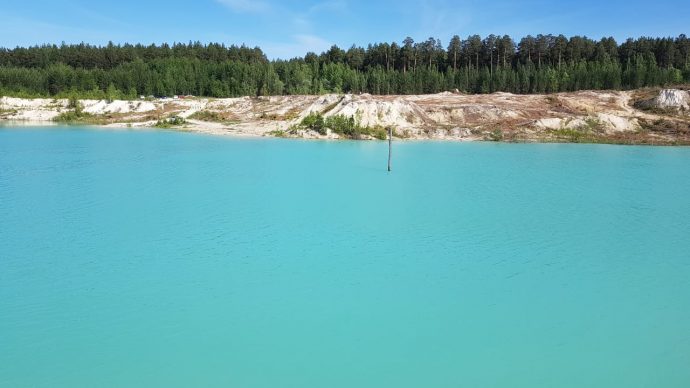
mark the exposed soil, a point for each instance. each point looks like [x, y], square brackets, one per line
[646, 116]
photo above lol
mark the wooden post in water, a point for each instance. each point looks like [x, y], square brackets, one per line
[390, 146]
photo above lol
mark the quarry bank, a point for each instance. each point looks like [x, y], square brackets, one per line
[645, 116]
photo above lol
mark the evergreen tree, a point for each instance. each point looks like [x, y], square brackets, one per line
[454, 48]
[543, 64]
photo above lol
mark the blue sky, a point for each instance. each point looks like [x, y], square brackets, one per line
[292, 27]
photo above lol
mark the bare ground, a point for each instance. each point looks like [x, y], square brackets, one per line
[586, 116]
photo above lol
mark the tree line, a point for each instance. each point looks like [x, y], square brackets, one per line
[535, 64]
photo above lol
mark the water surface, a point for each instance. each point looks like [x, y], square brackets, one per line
[145, 259]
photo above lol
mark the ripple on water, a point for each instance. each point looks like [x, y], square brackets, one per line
[149, 259]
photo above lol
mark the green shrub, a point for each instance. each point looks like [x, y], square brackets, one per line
[213, 116]
[278, 133]
[68, 117]
[76, 114]
[377, 132]
[332, 106]
[73, 102]
[315, 122]
[593, 124]
[205, 115]
[346, 126]
[170, 122]
[496, 135]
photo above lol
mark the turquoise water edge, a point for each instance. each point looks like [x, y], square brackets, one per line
[162, 259]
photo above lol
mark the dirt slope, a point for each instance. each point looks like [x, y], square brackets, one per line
[647, 116]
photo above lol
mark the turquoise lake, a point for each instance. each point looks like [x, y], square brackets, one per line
[165, 259]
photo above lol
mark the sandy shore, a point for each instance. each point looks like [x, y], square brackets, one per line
[580, 116]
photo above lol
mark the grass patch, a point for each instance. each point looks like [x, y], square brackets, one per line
[671, 112]
[402, 134]
[591, 131]
[7, 112]
[496, 135]
[378, 132]
[76, 114]
[666, 126]
[639, 96]
[345, 126]
[278, 133]
[214, 117]
[332, 106]
[315, 122]
[574, 135]
[292, 114]
[289, 116]
[170, 122]
[592, 124]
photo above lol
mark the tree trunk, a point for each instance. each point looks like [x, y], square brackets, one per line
[467, 75]
[559, 59]
[491, 66]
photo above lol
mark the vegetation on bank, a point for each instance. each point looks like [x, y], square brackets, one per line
[344, 126]
[669, 130]
[170, 122]
[7, 112]
[76, 114]
[541, 64]
[213, 117]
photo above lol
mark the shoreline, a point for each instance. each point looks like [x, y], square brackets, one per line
[96, 127]
[639, 117]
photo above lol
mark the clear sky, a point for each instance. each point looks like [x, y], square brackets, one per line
[292, 27]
